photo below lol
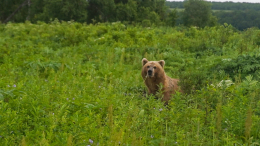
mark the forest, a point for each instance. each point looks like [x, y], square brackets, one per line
[73, 78]
[220, 5]
[239, 15]
[145, 12]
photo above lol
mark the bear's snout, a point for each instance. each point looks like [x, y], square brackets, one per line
[150, 72]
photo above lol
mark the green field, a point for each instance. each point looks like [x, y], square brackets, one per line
[76, 84]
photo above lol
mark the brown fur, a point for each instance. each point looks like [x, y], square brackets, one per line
[157, 76]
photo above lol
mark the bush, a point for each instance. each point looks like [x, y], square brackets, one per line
[242, 66]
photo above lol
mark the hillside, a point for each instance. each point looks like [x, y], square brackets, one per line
[76, 84]
[240, 15]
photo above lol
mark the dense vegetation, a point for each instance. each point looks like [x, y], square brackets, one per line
[220, 5]
[75, 84]
[90, 11]
[146, 12]
[239, 15]
[239, 19]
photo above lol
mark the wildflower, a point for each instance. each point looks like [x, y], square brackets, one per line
[227, 83]
[73, 98]
[160, 109]
[67, 98]
[14, 85]
[90, 141]
[152, 136]
[228, 59]
[8, 85]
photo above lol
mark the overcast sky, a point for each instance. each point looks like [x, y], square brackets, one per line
[241, 1]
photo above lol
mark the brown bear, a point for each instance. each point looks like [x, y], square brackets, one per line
[154, 75]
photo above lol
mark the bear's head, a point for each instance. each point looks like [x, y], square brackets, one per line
[152, 69]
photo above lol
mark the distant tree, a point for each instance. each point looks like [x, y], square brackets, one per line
[13, 10]
[174, 4]
[171, 18]
[239, 19]
[213, 21]
[152, 11]
[196, 13]
[126, 11]
[43, 10]
[36, 9]
[221, 5]
[160, 9]
[101, 10]
[64, 10]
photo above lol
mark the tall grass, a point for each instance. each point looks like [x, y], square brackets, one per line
[75, 84]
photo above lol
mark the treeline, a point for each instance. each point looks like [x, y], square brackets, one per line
[90, 11]
[235, 6]
[239, 15]
[239, 19]
[145, 12]
[221, 5]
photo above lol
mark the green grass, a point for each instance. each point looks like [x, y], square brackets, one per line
[76, 84]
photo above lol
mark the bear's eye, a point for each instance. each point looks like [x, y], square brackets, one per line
[154, 67]
[148, 66]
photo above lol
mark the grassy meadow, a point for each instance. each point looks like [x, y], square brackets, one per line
[75, 84]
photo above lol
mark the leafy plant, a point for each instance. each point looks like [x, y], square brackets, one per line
[243, 65]
[66, 83]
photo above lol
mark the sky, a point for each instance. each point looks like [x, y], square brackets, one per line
[235, 1]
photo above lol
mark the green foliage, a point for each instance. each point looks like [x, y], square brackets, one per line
[197, 13]
[239, 19]
[228, 5]
[127, 11]
[130, 11]
[242, 66]
[8, 7]
[63, 10]
[91, 11]
[171, 19]
[240, 15]
[67, 83]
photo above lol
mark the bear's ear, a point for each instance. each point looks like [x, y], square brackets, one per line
[144, 61]
[161, 62]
